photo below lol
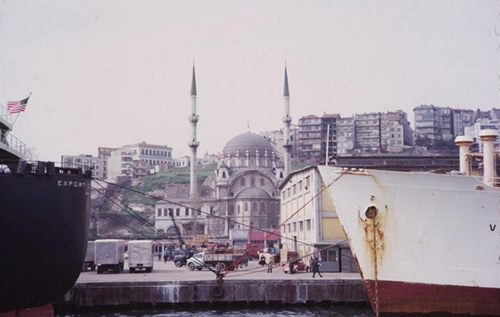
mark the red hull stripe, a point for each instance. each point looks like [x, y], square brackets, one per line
[401, 297]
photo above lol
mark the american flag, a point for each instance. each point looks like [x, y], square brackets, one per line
[17, 106]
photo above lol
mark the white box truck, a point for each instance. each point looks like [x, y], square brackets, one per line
[109, 255]
[140, 255]
[89, 262]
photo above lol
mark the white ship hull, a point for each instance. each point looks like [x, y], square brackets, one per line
[436, 246]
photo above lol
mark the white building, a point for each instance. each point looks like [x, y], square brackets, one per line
[84, 161]
[134, 160]
[482, 124]
[310, 225]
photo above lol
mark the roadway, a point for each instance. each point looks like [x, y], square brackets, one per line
[169, 272]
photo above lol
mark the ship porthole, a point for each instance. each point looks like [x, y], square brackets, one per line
[371, 212]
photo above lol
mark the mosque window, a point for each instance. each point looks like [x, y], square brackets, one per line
[252, 181]
[245, 207]
[231, 209]
[159, 211]
[187, 211]
[262, 182]
[243, 182]
[223, 174]
[239, 209]
[254, 206]
[263, 206]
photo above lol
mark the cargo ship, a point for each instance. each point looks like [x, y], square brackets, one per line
[44, 218]
[424, 243]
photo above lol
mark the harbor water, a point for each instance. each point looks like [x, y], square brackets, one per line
[298, 311]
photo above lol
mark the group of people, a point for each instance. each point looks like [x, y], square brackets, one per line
[314, 264]
[262, 262]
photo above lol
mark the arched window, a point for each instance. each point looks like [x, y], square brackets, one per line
[231, 209]
[252, 181]
[223, 174]
[245, 207]
[243, 182]
[262, 182]
[239, 209]
[263, 206]
[254, 206]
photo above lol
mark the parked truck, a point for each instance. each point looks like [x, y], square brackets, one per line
[140, 255]
[109, 255]
[225, 258]
[89, 262]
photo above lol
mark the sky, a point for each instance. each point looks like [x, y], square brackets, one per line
[117, 72]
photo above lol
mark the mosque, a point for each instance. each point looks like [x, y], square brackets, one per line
[244, 189]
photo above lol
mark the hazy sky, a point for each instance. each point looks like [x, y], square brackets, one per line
[111, 73]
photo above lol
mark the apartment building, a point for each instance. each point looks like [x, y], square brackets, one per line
[461, 118]
[135, 160]
[475, 129]
[395, 131]
[84, 161]
[309, 139]
[433, 123]
[329, 136]
[103, 153]
[367, 135]
[345, 136]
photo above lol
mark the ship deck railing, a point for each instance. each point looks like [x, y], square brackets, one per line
[8, 141]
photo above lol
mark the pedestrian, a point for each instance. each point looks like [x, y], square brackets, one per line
[315, 267]
[270, 267]
[262, 261]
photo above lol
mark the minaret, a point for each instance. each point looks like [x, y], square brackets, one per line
[287, 144]
[193, 143]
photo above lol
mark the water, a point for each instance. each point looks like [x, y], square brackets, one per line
[300, 311]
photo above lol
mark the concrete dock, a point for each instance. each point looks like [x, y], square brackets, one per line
[169, 285]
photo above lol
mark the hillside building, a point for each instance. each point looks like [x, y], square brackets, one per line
[84, 161]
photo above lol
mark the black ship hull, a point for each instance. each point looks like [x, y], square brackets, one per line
[44, 223]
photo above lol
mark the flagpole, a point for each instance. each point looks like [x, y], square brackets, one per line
[15, 120]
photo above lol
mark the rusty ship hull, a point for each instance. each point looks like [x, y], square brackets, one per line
[424, 243]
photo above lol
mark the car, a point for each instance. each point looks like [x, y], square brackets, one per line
[196, 262]
[299, 266]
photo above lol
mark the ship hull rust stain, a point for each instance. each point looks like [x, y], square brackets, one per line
[194, 292]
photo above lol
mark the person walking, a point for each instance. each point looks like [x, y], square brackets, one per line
[270, 265]
[315, 267]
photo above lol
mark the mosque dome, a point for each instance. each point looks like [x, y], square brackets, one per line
[253, 193]
[248, 141]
